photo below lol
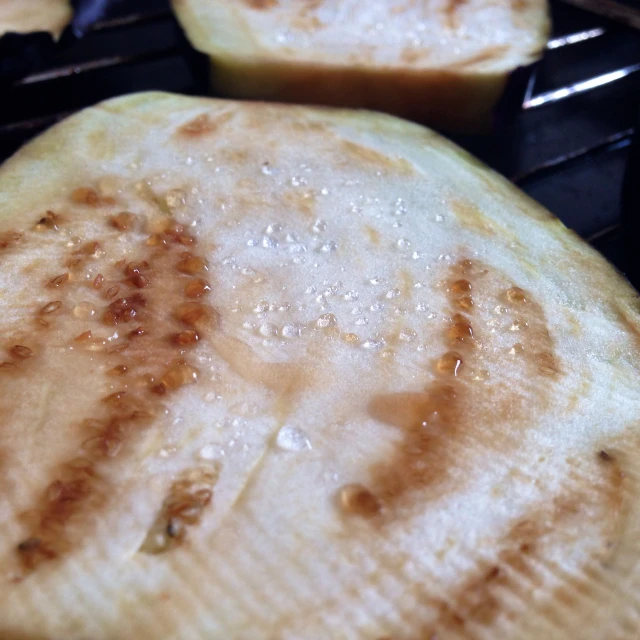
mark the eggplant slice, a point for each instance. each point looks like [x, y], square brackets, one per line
[279, 372]
[444, 63]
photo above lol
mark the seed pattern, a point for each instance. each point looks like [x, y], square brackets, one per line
[78, 486]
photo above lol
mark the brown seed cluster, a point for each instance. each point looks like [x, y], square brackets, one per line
[428, 419]
[152, 367]
[460, 333]
[183, 507]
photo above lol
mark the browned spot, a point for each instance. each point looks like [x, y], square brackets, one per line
[470, 216]
[306, 21]
[411, 55]
[451, 12]
[261, 4]
[204, 124]
[372, 159]
[9, 239]
[373, 235]
[629, 318]
[455, 411]
[517, 568]
[278, 376]
[302, 202]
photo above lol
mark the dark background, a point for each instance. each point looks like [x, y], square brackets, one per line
[568, 146]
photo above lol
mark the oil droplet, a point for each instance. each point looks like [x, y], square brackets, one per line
[400, 208]
[290, 330]
[319, 226]
[350, 338]
[465, 302]
[178, 375]
[461, 329]
[373, 344]
[329, 247]
[326, 320]
[268, 330]
[191, 265]
[292, 439]
[516, 295]
[208, 452]
[269, 242]
[407, 335]
[517, 349]
[450, 363]
[518, 325]
[175, 198]
[356, 499]
[84, 310]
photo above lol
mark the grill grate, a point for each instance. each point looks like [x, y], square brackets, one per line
[567, 146]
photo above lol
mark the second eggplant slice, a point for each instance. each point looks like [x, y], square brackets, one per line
[442, 63]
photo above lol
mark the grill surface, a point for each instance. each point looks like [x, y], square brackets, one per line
[567, 147]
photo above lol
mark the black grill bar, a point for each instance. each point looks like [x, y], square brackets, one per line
[93, 65]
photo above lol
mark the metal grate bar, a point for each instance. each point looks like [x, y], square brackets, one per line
[556, 95]
[133, 19]
[575, 38]
[615, 141]
[92, 65]
[604, 232]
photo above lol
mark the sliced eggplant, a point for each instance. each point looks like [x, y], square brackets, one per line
[278, 372]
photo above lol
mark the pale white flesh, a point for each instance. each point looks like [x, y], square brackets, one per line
[25, 16]
[518, 518]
